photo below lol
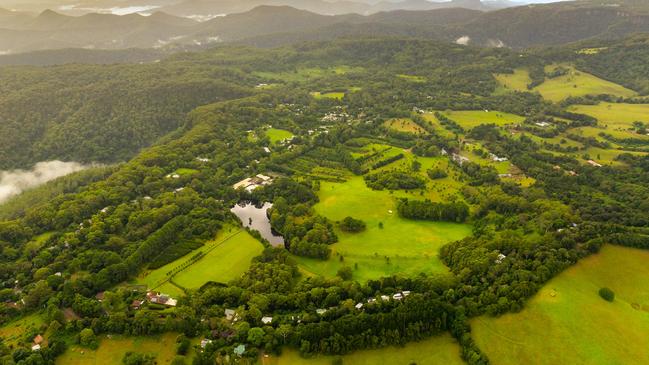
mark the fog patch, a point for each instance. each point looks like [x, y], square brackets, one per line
[14, 182]
[464, 40]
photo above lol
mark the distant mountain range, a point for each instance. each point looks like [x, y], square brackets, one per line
[265, 26]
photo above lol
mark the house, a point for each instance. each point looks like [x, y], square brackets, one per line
[497, 159]
[266, 149]
[371, 300]
[267, 320]
[504, 175]
[231, 315]
[593, 163]
[458, 159]
[252, 183]
[321, 311]
[405, 293]
[205, 342]
[99, 296]
[385, 298]
[240, 350]
[359, 305]
[201, 159]
[38, 340]
[58, 273]
[36, 347]
[500, 258]
[542, 124]
[397, 296]
[179, 190]
[136, 304]
[164, 299]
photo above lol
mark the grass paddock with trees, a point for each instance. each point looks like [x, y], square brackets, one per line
[568, 322]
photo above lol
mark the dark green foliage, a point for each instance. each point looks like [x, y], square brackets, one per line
[394, 180]
[607, 294]
[427, 210]
[350, 224]
[435, 174]
[134, 358]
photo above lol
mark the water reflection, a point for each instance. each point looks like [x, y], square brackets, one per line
[255, 218]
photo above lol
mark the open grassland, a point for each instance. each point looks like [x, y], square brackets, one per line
[226, 262]
[568, 323]
[616, 117]
[516, 81]
[402, 246]
[439, 128]
[112, 350]
[227, 257]
[469, 119]
[278, 135]
[336, 95]
[412, 78]
[578, 83]
[306, 73]
[436, 350]
[13, 333]
[404, 125]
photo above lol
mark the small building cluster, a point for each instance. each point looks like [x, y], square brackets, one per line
[252, 183]
[497, 159]
[158, 298]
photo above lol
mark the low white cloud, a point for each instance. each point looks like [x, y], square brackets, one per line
[14, 182]
[464, 40]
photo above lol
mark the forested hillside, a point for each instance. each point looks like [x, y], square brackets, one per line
[418, 188]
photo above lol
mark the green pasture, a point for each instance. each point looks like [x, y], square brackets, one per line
[470, 119]
[112, 350]
[516, 81]
[404, 125]
[578, 83]
[412, 78]
[442, 349]
[616, 118]
[227, 257]
[402, 246]
[278, 135]
[306, 73]
[186, 172]
[568, 323]
[13, 332]
[336, 95]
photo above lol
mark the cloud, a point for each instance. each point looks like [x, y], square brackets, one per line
[15, 182]
[464, 40]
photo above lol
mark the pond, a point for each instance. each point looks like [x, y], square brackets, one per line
[255, 218]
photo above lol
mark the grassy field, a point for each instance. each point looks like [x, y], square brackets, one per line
[12, 333]
[517, 81]
[228, 256]
[469, 119]
[306, 74]
[436, 350]
[278, 135]
[186, 172]
[568, 323]
[412, 78]
[338, 95]
[411, 246]
[616, 118]
[578, 83]
[404, 125]
[112, 350]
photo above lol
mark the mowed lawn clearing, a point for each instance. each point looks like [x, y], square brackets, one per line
[516, 81]
[406, 247]
[578, 83]
[442, 350]
[568, 323]
[112, 350]
[404, 125]
[228, 261]
[617, 119]
[227, 257]
[470, 119]
[278, 135]
[12, 333]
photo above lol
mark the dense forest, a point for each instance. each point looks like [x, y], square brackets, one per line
[178, 134]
